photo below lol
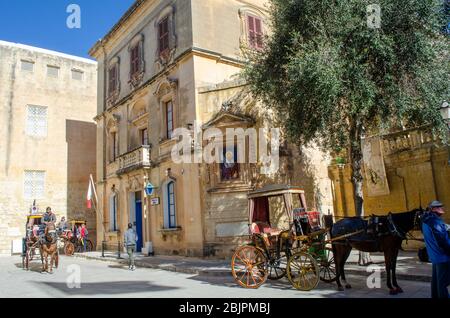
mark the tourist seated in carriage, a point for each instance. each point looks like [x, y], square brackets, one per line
[62, 226]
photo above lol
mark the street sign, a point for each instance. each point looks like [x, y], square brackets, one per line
[155, 201]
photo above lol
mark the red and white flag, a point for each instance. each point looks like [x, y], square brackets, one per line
[89, 196]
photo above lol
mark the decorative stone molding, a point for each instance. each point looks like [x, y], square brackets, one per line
[167, 90]
[175, 232]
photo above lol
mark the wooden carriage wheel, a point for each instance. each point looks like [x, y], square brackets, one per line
[277, 266]
[303, 271]
[69, 248]
[249, 267]
[327, 266]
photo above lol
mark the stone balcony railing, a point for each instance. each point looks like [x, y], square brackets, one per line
[135, 159]
[408, 140]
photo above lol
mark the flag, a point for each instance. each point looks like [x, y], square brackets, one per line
[89, 196]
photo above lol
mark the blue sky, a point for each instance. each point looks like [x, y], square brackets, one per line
[42, 23]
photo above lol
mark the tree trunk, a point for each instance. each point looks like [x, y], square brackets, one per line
[356, 160]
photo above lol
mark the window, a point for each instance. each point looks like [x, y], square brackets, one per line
[113, 205]
[171, 205]
[34, 184]
[36, 121]
[27, 66]
[135, 60]
[114, 146]
[52, 71]
[169, 119]
[77, 75]
[229, 166]
[163, 31]
[144, 137]
[113, 78]
[255, 35]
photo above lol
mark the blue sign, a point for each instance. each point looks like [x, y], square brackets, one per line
[149, 188]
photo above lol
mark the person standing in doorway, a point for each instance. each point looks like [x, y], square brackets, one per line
[130, 240]
[437, 242]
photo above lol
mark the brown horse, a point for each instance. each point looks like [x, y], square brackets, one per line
[379, 234]
[49, 247]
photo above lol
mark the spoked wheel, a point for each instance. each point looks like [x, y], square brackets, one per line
[327, 266]
[277, 267]
[249, 267]
[69, 249]
[303, 271]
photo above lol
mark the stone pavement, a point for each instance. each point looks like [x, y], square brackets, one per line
[408, 265]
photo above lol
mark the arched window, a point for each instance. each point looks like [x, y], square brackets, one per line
[170, 210]
[253, 27]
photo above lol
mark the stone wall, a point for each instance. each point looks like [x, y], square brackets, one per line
[66, 153]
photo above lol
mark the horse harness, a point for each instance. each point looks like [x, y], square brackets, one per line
[385, 225]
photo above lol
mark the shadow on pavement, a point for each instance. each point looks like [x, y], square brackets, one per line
[108, 288]
[32, 267]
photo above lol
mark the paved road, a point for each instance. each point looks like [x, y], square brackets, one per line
[104, 279]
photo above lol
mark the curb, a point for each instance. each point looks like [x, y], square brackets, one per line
[222, 273]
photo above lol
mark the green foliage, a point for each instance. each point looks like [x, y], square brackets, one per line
[331, 78]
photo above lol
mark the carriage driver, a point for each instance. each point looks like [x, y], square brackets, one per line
[48, 217]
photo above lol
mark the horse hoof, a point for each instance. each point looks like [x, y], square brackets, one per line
[340, 288]
[393, 292]
[399, 290]
[348, 286]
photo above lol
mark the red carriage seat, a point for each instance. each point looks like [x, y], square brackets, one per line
[261, 227]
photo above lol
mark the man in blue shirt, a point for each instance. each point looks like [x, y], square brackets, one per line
[437, 242]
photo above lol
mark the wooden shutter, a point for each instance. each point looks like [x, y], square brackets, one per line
[251, 30]
[135, 59]
[255, 32]
[112, 79]
[163, 35]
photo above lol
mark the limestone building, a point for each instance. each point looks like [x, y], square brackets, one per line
[171, 64]
[47, 137]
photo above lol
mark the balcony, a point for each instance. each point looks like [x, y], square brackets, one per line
[408, 140]
[135, 159]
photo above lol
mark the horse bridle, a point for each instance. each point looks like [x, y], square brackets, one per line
[415, 225]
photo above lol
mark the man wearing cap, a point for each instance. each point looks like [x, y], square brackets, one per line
[437, 242]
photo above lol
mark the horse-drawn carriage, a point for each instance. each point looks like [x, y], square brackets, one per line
[299, 251]
[305, 251]
[30, 243]
[71, 239]
[33, 243]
